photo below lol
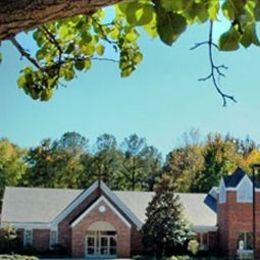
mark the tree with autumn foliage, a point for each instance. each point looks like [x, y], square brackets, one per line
[12, 164]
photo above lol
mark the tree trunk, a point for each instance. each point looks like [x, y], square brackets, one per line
[20, 15]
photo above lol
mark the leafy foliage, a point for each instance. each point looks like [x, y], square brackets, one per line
[141, 164]
[165, 227]
[198, 166]
[69, 162]
[8, 239]
[12, 165]
[193, 246]
[71, 45]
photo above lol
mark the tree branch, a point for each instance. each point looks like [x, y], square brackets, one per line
[215, 70]
[21, 15]
[24, 53]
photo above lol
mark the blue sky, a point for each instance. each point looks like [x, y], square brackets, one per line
[160, 101]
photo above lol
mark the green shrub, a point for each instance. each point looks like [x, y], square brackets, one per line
[193, 246]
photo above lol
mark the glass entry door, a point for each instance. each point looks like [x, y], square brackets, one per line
[101, 244]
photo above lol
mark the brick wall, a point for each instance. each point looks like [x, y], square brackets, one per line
[213, 241]
[233, 218]
[64, 230]
[123, 232]
[136, 241]
[41, 239]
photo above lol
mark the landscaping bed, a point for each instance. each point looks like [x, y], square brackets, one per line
[17, 257]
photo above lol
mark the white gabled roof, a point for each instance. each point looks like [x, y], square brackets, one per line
[104, 201]
[37, 205]
[195, 209]
[50, 206]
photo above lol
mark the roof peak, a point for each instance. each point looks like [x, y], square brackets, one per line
[231, 181]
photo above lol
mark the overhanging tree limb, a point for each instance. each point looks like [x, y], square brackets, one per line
[21, 15]
[216, 71]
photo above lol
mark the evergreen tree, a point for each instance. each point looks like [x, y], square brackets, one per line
[165, 227]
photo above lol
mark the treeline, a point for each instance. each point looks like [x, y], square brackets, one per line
[69, 162]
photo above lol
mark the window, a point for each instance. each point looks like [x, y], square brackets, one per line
[28, 237]
[101, 243]
[53, 238]
[203, 241]
[245, 241]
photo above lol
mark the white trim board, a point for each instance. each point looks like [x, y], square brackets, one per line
[111, 195]
[204, 229]
[121, 205]
[82, 196]
[88, 210]
[26, 225]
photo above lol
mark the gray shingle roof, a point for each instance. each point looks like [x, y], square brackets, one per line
[38, 205]
[231, 181]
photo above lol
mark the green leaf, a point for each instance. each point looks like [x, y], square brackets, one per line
[138, 57]
[173, 5]
[257, 11]
[79, 64]
[100, 49]
[40, 54]
[229, 41]
[21, 82]
[169, 25]
[69, 74]
[70, 48]
[46, 94]
[88, 64]
[1, 57]
[131, 36]
[38, 37]
[249, 36]
[213, 10]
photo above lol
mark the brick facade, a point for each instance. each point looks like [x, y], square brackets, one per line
[41, 239]
[109, 216]
[233, 218]
[64, 230]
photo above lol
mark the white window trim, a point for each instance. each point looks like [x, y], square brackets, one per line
[201, 246]
[56, 238]
[82, 196]
[24, 236]
[114, 198]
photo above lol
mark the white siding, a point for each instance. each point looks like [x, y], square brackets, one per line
[244, 191]
[222, 192]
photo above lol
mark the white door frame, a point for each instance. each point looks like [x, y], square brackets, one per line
[97, 245]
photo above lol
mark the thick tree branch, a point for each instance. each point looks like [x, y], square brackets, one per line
[20, 15]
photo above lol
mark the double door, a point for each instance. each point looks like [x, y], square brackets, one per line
[101, 244]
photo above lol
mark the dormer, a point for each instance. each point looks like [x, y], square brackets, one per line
[244, 190]
[238, 182]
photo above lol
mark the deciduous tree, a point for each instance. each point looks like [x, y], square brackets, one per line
[70, 35]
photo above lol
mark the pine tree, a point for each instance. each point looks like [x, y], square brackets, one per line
[165, 228]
